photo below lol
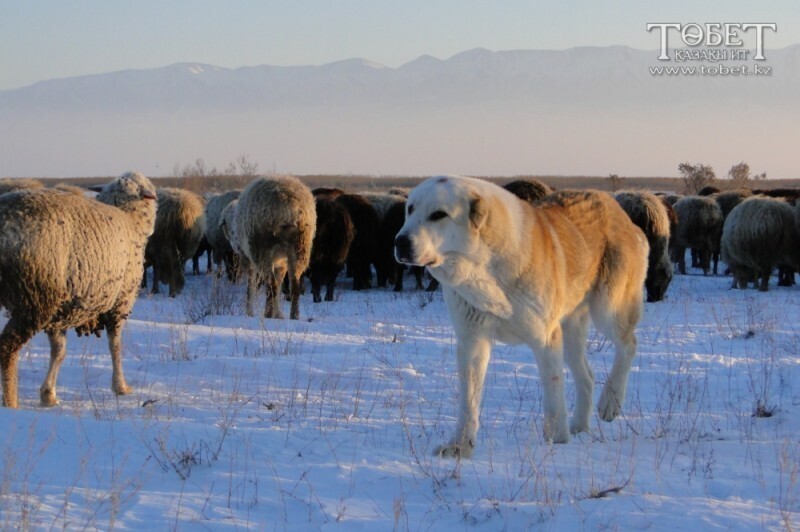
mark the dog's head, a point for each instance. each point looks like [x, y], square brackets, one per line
[444, 216]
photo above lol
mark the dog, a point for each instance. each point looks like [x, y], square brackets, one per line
[535, 275]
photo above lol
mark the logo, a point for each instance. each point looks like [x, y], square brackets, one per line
[713, 43]
[712, 35]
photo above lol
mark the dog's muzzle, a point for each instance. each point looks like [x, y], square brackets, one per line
[402, 249]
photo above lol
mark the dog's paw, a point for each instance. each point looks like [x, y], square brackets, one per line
[608, 407]
[576, 426]
[454, 450]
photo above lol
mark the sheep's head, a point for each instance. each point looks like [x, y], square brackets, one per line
[134, 193]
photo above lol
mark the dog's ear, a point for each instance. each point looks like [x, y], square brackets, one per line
[478, 212]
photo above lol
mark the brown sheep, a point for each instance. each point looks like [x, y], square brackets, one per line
[530, 190]
[650, 215]
[180, 224]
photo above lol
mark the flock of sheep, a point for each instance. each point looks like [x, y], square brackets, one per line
[72, 261]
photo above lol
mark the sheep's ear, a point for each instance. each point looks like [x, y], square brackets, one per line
[478, 212]
[146, 194]
[95, 188]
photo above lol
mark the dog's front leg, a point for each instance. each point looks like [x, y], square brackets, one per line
[550, 360]
[473, 353]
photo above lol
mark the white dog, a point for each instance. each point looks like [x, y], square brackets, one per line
[532, 275]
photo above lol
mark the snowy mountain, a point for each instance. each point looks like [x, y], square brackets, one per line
[472, 97]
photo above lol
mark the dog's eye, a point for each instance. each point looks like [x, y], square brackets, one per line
[437, 215]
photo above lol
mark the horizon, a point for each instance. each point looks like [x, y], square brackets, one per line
[42, 40]
[346, 59]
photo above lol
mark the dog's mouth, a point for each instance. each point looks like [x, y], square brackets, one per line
[432, 263]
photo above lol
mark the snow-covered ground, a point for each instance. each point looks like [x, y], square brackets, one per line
[329, 422]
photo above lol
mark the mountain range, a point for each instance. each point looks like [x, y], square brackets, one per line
[589, 111]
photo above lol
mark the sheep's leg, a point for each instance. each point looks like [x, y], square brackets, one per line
[154, 289]
[177, 279]
[330, 285]
[252, 289]
[294, 287]
[274, 283]
[316, 285]
[764, 284]
[58, 350]
[681, 256]
[399, 270]
[118, 384]
[13, 337]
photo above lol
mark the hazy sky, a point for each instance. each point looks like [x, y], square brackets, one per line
[44, 39]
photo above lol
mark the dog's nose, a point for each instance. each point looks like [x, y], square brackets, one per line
[402, 248]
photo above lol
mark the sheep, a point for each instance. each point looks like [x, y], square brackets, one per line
[648, 213]
[222, 252]
[275, 222]
[180, 224]
[69, 261]
[708, 190]
[730, 199]
[699, 227]
[363, 248]
[331, 244]
[789, 194]
[8, 184]
[227, 225]
[203, 248]
[758, 234]
[64, 187]
[387, 268]
[399, 191]
[530, 190]
[382, 202]
[328, 192]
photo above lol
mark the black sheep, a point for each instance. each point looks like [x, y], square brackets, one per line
[331, 245]
[362, 250]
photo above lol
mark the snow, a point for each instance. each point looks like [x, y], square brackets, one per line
[330, 422]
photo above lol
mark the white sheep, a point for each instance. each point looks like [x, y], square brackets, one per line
[275, 221]
[69, 261]
[220, 244]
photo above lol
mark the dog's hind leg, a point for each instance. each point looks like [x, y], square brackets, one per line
[619, 327]
[574, 329]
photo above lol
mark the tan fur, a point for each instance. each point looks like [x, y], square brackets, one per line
[533, 275]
